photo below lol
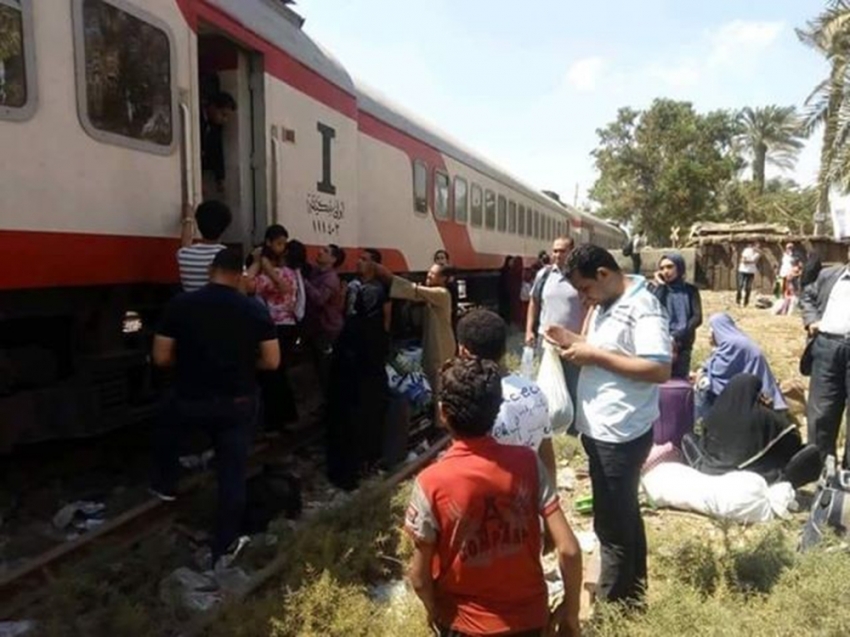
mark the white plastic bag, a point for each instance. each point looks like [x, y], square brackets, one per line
[550, 379]
[527, 364]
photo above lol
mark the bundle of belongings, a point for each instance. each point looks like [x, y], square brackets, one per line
[409, 411]
[745, 463]
[830, 513]
[407, 380]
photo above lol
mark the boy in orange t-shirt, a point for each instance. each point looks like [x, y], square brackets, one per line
[475, 519]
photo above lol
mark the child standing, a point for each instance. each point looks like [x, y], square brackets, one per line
[212, 219]
[474, 517]
[277, 287]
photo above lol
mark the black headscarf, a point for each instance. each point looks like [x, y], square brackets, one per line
[738, 426]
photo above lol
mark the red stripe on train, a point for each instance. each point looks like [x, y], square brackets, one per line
[50, 259]
[31, 260]
[455, 236]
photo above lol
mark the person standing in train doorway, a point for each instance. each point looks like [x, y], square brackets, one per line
[215, 114]
[554, 301]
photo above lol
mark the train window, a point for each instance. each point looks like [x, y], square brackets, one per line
[536, 233]
[420, 187]
[441, 195]
[502, 219]
[461, 200]
[489, 209]
[547, 228]
[521, 221]
[126, 82]
[476, 205]
[550, 228]
[512, 217]
[17, 60]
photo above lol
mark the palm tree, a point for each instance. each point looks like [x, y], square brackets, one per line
[829, 35]
[771, 134]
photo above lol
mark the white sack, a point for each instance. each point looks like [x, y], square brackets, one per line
[739, 496]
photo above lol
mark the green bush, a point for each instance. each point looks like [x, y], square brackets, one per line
[695, 564]
[765, 591]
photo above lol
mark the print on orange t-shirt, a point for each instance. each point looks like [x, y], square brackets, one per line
[480, 506]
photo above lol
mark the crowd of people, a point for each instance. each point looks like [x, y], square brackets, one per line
[481, 516]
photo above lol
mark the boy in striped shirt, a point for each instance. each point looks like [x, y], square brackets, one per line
[212, 219]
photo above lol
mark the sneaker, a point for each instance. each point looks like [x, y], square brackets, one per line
[162, 494]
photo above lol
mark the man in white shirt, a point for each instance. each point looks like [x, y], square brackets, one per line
[523, 418]
[788, 259]
[638, 244]
[747, 269]
[624, 357]
[826, 315]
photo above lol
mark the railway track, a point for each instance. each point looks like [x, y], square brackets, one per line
[24, 586]
[267, 574]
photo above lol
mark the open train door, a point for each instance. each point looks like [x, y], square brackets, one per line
[233, 141]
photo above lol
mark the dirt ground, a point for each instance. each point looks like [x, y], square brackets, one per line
[781, 337]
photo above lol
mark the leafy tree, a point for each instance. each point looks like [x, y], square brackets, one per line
[828, 105]
[664, 166]
[771, 134]
[782, 201]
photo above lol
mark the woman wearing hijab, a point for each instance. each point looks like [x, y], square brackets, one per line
[684, 309]
[743, 432]
[734, 353]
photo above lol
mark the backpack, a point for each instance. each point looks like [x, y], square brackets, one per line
[628, 247]
[537, 294]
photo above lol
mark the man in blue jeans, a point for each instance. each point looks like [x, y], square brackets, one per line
[216, 339]
[624, 357]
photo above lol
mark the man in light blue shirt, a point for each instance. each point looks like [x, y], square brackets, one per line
[624, 357]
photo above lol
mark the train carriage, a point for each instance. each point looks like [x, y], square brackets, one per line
[100, 135]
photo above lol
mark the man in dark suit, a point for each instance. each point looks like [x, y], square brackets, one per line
[826, 315]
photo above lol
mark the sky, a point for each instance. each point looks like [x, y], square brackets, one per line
[528, 84]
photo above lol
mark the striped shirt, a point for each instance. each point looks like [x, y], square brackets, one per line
[194, 263]
[611, 407]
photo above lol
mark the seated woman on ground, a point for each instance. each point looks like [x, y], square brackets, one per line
[734, 353]
[684, 308]
[742, 431]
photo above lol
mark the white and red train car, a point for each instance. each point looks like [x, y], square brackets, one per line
[100, 145]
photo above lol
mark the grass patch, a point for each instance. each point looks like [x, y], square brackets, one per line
[808, 598]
